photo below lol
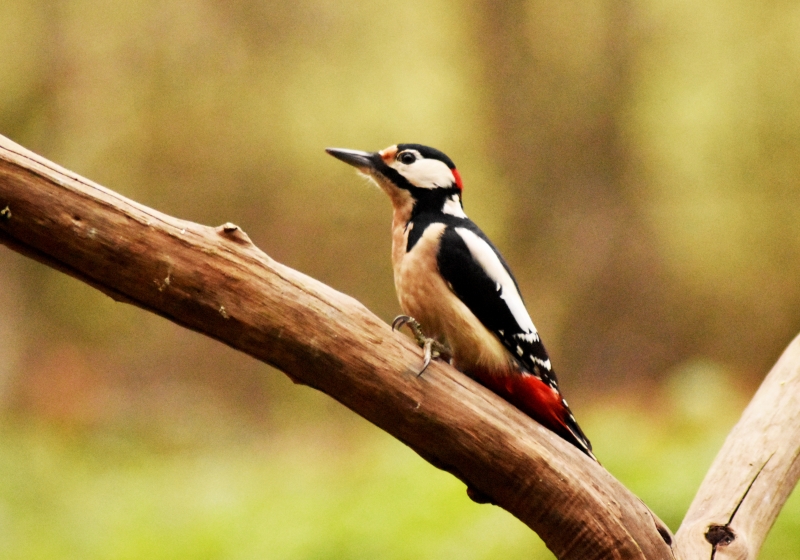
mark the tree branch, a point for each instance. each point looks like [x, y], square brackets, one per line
[754, 473]
[215, 281]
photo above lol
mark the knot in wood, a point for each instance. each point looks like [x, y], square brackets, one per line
[665, 534]
[720, 535]
[234, 233]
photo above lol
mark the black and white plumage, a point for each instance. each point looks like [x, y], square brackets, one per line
[454, 282]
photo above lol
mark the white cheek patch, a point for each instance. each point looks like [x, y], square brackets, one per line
[426, 173]
[490, 263]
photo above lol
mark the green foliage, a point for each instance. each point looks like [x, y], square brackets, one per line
[103, 496]
[341, 489]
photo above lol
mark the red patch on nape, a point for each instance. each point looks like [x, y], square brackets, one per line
[457, 177]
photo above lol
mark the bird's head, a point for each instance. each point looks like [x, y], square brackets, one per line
[411, 174]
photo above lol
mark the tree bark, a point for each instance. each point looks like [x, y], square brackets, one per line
[753, 475]
[215, 281]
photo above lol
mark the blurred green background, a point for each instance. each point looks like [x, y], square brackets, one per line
[637, 164]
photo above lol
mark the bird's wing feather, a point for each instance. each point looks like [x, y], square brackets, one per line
[478, 275]
[481, 279]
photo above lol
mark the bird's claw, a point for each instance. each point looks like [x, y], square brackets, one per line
[431, 348]
[402, 320]
[427, 355]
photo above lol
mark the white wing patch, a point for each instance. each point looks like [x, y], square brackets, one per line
[544, 363]
[490, 263]
[530, 337]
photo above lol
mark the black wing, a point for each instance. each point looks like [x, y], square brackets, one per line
[480, 277]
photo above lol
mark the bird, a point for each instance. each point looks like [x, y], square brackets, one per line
[457, 292]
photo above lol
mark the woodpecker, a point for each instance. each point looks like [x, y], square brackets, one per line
[453, 284]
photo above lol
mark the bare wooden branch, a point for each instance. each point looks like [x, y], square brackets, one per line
[754, 473]
[215, 281]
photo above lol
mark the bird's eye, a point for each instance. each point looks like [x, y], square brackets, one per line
[407, 158]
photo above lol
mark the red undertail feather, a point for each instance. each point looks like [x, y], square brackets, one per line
[542, 403]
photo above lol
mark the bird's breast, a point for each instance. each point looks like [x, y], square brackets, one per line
[424, 295]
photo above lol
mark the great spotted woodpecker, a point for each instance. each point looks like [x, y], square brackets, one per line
[453, 282]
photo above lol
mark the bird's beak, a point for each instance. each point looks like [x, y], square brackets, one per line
[364, 161]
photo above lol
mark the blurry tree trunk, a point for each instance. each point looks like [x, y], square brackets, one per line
[215, 281]
[558, 101]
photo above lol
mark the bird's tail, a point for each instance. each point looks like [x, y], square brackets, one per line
[541, 402]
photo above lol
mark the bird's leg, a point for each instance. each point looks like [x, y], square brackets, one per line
[431, 347]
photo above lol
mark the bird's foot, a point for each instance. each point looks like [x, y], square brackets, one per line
[432, 348]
